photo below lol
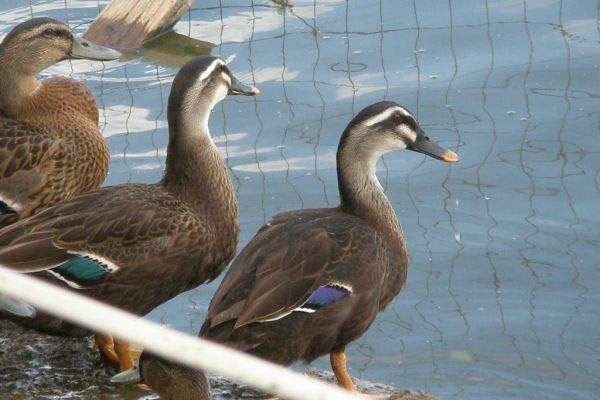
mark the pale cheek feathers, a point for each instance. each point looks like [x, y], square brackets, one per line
[226, 78]
[220, 94]
[385, 145]
[408, 133]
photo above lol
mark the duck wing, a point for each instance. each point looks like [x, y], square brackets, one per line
[23, 149]
[84, 239]
[298, 261]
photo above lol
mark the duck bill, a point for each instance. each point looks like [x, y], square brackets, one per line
[238, 88]
[432, 149]
[132, 375]
[83, 48]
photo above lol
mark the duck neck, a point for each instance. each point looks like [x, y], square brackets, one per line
[196, 173]
[17, 86]
[361, 193]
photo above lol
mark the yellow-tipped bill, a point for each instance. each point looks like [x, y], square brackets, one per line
[449, 156]
[426, 146]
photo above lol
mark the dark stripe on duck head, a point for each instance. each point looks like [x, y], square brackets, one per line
[36, 27]
[35, 45]
[190, 81]
[392, 115]
[369, 112]
[356, 122]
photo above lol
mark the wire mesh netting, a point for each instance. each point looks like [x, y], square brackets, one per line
[502, 294]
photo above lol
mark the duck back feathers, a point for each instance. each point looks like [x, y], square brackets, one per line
[41, 165]
[50, 146]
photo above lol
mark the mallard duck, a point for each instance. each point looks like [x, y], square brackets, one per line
[311, 281]
[135, 246]
[50, 146]
[171, 381]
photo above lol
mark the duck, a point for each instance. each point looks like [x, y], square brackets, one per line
[134, 245]
[50, 146]
[171, 381]
[311, 281]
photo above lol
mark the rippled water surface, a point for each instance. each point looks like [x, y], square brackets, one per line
[502, 296]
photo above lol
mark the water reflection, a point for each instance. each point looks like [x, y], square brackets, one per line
[501, 299]
[171, 50]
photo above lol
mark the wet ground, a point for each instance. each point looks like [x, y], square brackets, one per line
[42, 367]
[502, 295]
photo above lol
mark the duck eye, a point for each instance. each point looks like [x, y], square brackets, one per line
[53, 32]
[426, 137]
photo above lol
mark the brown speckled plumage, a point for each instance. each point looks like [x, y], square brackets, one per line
[50, 146]
[164, 238]
[162, 245]
[52, 149]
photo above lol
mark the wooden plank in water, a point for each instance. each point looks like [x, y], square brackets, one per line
[126, 24]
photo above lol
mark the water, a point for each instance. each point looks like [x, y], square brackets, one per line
[502, 294]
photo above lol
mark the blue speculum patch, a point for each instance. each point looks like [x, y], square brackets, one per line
[325, 295]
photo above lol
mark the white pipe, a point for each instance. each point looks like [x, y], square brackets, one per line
[171, 344]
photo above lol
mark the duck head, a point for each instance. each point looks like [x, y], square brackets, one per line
[38, 43]
[198, 86]
[170, 380]
[387, 126]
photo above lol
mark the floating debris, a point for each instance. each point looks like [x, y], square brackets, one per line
[114, 27]
[511, 112]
